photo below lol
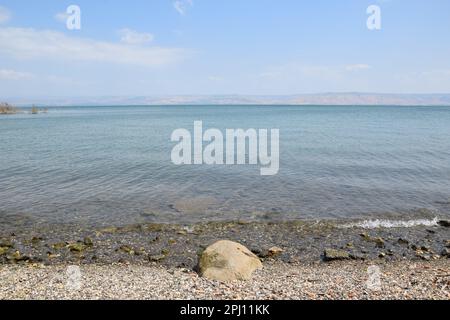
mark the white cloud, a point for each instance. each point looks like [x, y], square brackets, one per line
[129, 36]
[215, 78]
[21, 43]
[182, 5]
[5, 15]
[313, 71]
[357, 67]
[14, 75]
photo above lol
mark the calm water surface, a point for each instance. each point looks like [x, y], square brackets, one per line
[109, 165]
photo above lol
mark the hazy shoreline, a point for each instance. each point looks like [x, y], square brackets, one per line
[337, 99]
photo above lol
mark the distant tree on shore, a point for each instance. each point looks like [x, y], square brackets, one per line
[34, 110]
[6, 108]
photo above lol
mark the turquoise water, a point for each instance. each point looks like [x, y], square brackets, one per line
[109, 165]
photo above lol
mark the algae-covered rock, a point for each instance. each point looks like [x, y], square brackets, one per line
[76, 247]
[227, 261]
[59, 245]
[4, 250]
[157, 257]
[88, 241]
[334, 254]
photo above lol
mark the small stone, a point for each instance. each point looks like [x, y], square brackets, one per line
[76, 247]
[403, 241]
[88, 241]
[445, 252]
[156, 258]
[382, 255]
[379, 242]
[36, 240]
[447, 244]
[6, 243]
[274, 251]
[127, 249]
[444, 223]
[59, 245]
[17, 257]
[3, 250]
[334, 254]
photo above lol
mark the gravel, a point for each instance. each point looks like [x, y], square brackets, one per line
[338, 280]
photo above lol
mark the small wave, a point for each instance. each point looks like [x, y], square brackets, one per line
[379, 223]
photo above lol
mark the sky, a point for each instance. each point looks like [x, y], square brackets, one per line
[217, 47]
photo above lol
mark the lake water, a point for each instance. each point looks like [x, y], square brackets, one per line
[112, 165]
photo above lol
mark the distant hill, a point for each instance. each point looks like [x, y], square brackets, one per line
[301, 99]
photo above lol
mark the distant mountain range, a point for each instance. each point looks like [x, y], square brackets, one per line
[301, 99]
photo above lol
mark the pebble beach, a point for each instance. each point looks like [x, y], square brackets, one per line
[338, 280]
[301, 260]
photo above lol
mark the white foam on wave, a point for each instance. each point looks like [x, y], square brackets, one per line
[380, 223]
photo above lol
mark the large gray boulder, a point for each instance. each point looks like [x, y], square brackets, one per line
[227, 261]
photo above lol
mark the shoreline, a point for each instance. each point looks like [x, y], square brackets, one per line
[158, 261]
[173, 245]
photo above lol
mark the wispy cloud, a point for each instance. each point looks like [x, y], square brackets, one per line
[182, 5]
[357, 67]
[129, 36]
[6, 74]
[21, 43]
[5, 15]
[317, 71]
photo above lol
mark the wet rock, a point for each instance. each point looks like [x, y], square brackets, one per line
[423, 255]
[6, 244]
[444, 223]
[357, 256]
[334, 254]
[379, 242]
[274, 251]
[88, 241]
[16, 256]
[156, 258]
[4, 250]
[227, 261]
[447, 244]
[76, 247]
[445, 252]
[127, 249]
[36, 240]
[59, 245]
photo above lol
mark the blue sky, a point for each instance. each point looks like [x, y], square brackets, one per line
[264, 47]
